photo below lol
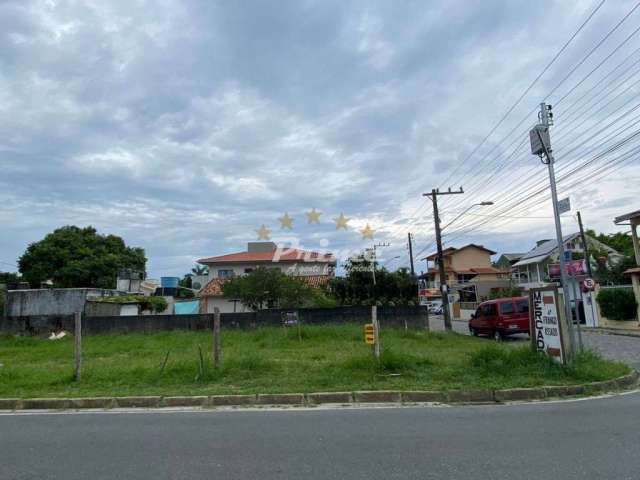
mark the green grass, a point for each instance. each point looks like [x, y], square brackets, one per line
[326, 358]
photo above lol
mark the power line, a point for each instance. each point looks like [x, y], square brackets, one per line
[599, 82]
[527, 90]
[624, 42]
[581, 62]
[594, 135]
[519, 201]
[620, 161]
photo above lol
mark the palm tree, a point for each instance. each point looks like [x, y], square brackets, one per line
[200, 270]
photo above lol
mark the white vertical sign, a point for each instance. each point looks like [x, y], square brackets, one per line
[546, 329]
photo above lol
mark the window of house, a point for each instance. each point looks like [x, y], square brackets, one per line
[226, 273]
[522, 306]
[506, 308]
[248, 270]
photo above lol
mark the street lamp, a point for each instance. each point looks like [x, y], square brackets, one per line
[481, 204]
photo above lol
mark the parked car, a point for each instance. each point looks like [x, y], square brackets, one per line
[435, 307]
[501, 317]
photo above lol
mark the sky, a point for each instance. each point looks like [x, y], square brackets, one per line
[185, 125]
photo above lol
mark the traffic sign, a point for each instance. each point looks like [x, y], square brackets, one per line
[589, 284]
[564, 206]
[369, 335]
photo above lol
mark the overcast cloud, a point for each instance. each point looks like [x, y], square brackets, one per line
[185, 125]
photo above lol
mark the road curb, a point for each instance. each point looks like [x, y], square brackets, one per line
[391, 397]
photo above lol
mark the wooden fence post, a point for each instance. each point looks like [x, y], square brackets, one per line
[78, 343]
[216, 338]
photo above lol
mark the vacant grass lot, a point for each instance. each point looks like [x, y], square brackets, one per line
[270, 360]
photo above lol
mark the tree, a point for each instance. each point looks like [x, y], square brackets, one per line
[79, 257]
[268, 288]
[619, 241]
[614, 274]
[200, 270]
[508, 292]
[186, 281]
[356, 287]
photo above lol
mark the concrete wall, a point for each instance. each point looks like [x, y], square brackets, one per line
[208, 305]
[55, 301]
[471, 257]
[409, 316]
[102, 309]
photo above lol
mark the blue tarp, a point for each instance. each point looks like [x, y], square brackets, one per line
[187, 308]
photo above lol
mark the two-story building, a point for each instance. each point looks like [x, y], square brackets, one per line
[313, 267]
[532, 270]
[469, 272]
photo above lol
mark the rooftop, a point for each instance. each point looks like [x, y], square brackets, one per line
[627, 216]
[452, 250]
[513, 256]
[269, 252]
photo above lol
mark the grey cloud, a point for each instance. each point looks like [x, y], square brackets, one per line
[185, 125]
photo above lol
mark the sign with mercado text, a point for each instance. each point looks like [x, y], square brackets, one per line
[545, 322]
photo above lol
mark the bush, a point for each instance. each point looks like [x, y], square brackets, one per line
[505, 293]
[618, 303]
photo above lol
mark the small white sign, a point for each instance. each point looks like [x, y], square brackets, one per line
[546, 330]
[564, 206]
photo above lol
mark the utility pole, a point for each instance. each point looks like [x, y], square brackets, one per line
[443, 277]
[541, 145]
[413, 272]
[587, 260]
[585, 247]
[373, 266]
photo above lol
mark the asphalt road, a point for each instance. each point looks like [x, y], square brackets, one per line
[590, 439]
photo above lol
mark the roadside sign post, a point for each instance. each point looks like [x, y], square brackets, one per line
[372, 333]
[546, 323]
[216, 338]
[369, 337]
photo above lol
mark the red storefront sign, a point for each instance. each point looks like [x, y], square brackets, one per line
[574, 268]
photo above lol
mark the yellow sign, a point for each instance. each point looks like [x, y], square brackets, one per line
[368, 334]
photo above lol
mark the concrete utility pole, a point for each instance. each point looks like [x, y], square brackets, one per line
[373, 263]
[587, 260]
[541, 145]
[413, 272]
[585, 247]
[444, 291]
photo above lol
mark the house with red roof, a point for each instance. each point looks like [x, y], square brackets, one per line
[315, 268]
